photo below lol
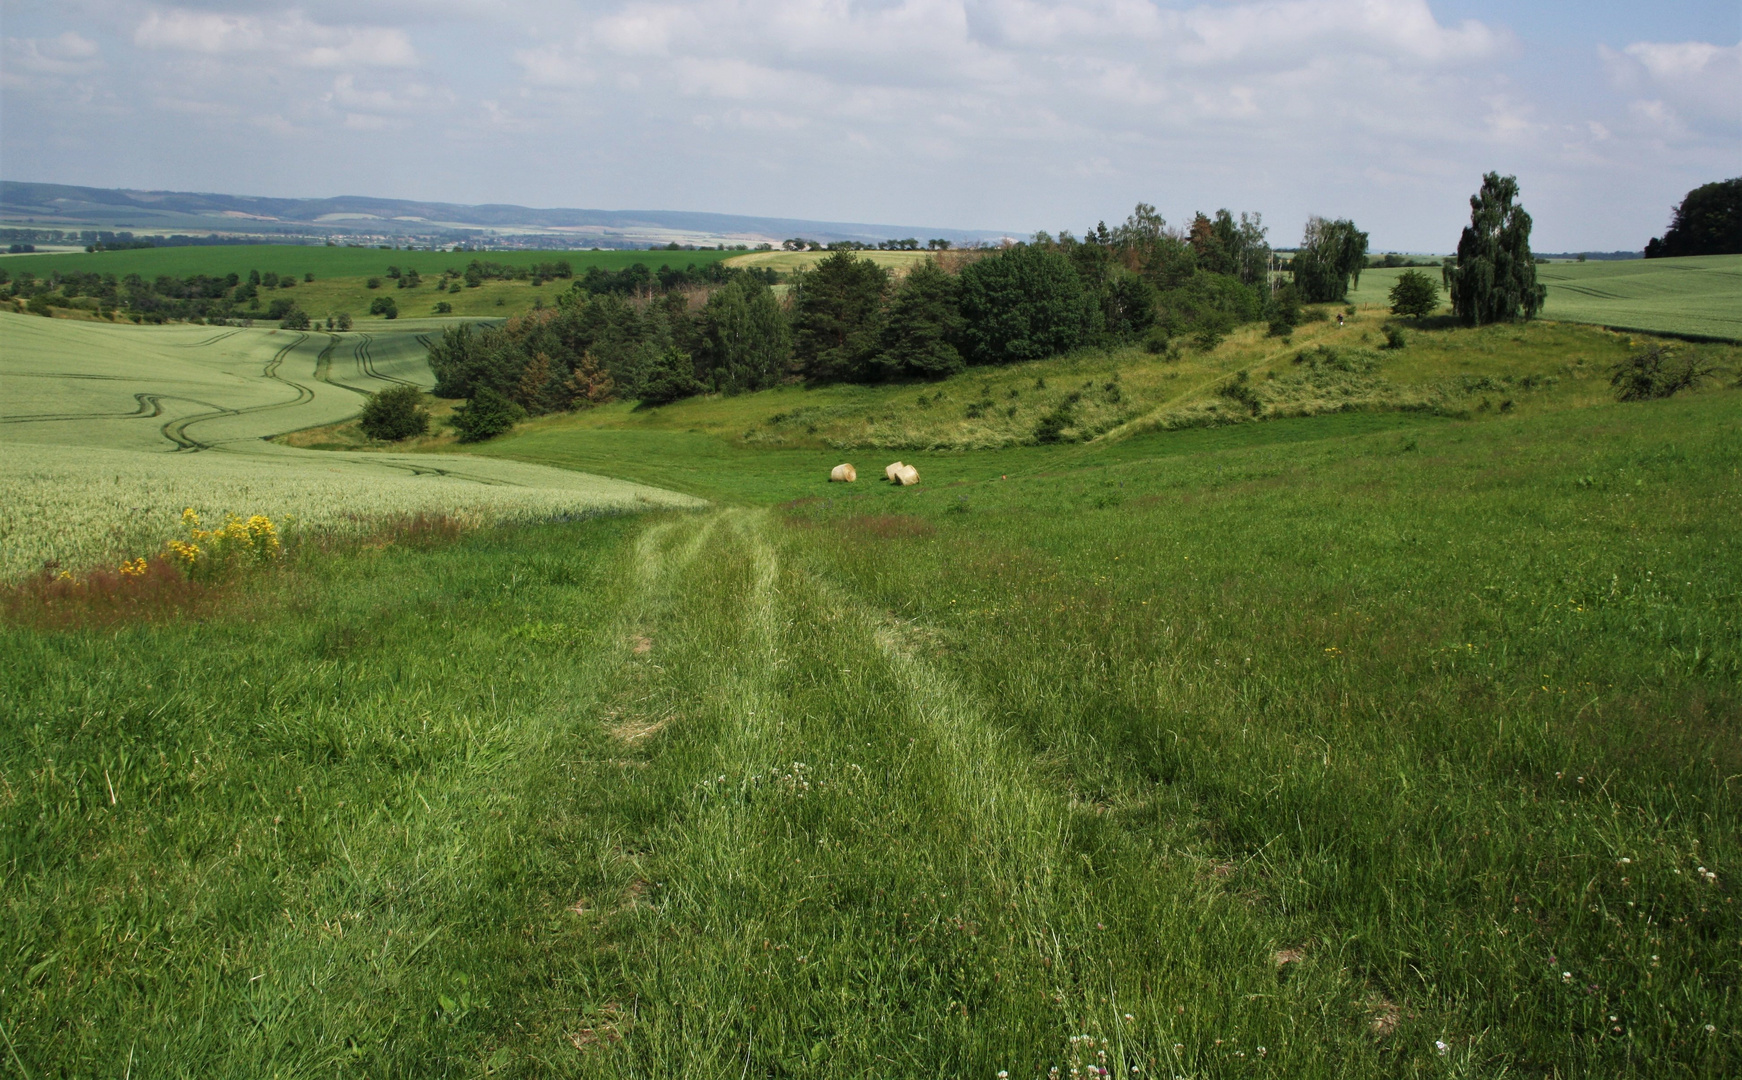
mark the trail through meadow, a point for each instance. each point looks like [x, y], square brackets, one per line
[857, 865]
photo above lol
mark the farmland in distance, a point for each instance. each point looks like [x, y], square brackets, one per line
[1697, 297]
[341, 275]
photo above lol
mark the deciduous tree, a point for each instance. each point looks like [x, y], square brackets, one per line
[1025, 304]
[1707, 222]
[1495, 276]
[1331, 256]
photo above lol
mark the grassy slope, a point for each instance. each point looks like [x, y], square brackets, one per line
[1531, 368]
[1701, 297]
[341, 274]
[1313, 736]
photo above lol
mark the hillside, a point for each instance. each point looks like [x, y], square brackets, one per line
[66, 206]
[786, 439]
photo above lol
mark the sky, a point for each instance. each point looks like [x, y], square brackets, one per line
[975, 114]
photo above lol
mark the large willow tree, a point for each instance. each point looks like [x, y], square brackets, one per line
[1495, 276]
[1332, 253]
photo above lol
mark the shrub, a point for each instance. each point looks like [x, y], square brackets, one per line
[394, 414]
[1211, 333]
[294, 319]
[487, 415]
[1240, 390]
[1414, 294]
[1395, 338]
[1656, 373]
[373, 283]
[384, 306]
[444, 308]
[1156, 342]
[1052, 426]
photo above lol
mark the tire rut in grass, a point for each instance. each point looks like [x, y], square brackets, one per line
[851, 859]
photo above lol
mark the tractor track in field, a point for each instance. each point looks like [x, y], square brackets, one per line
[324, 367]
[150, 405]
[208, 341]
[365, 355]
[176, 431]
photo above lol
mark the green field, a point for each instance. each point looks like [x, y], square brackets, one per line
[341, 275]
[1697, 297]
[327, 262]
[1393, 731]
[110, 431]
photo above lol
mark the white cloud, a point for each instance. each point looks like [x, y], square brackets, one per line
[199, 31]
[69, 54]
[1688, 81]
[293, 36]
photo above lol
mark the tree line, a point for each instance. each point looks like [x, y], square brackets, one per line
[850, 320]
[634, 335]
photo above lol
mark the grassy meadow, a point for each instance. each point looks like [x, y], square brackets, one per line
[1698, 297]
[1354, 745]
[1373, 715]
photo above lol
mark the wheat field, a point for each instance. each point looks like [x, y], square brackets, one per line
[109, 432]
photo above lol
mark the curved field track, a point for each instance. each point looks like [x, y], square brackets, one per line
[109, 431]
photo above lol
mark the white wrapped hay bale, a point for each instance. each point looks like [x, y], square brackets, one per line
[843, 473]
[906, 475]
[889, 472]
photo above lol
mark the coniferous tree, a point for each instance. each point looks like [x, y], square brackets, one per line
[835, 314]
[591, 383]
[922, 325]
[1494, 279]
[534, 377]
[671, 377]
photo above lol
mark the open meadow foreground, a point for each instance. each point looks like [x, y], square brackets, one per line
[1388, 726]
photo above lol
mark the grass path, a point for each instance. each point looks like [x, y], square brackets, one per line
[859, 871]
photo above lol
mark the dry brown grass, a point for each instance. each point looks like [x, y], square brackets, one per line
[62, 600]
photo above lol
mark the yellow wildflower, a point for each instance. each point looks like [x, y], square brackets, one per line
[133, 568]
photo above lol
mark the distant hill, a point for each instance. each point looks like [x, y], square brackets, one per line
[364, 219]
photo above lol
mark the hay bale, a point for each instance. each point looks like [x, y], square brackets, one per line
[843, 473]
[890, 470]
[906, 476]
